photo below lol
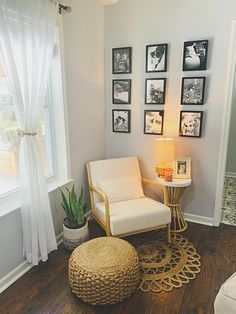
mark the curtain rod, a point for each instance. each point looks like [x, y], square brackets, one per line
[65, 8]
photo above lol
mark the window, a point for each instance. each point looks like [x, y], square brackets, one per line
[46, 136]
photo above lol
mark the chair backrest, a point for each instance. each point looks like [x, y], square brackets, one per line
[109, 169]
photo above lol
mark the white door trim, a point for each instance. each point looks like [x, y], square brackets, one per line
[225, 126]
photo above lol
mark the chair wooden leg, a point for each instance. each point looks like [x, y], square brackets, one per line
[168, 234]
[108, 232]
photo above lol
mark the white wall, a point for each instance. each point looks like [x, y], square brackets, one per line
[84, 65]
[231, 157]
[139, 23]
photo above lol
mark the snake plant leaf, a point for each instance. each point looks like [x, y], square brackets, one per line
[67, 213]
[64, 201]
[81, 196]
[85, 208]
[80, 216]
[73, 200]
[66, 207]
[71, 211]
[74, 207]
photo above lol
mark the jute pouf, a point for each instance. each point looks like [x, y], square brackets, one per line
[104, 270]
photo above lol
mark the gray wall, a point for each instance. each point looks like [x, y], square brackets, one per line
[139, 23]
[84, 57]
[231, 157]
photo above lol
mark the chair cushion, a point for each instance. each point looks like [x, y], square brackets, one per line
[225, 302]
[134, 215]
[124, 189]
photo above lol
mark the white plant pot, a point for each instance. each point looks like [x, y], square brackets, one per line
[74, 237]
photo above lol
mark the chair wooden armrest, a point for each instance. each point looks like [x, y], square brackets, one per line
[106, 204]
[163, 188]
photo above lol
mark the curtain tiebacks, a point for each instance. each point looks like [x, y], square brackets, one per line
[21, 133]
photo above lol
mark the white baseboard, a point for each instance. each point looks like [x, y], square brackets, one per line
[60, 238]
[20, 270]
[15, 274]
[199, 219]
[230, 174]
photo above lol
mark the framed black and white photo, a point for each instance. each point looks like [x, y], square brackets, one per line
[195, 55]
[153, 122]
[156, 58]
[155, 89]
[182, 168]
[190, 123]
[121, 121]
[122, 60]
[121, 91]
[193, 89]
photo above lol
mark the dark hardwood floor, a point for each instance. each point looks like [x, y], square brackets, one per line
[45, 289]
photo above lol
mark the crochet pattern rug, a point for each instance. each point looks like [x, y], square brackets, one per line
[228, 216]
[165, 266]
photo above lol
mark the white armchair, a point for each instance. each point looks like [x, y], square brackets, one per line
[118, 202]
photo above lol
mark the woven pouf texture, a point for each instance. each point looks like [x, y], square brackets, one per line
[104, 270]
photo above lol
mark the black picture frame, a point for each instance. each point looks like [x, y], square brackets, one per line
[190, 123]
[193, 90]
[153, 122]
[156, 58]
[122, 60]
[121, 120]
[155, 91]
[195, 55]
[121, 92]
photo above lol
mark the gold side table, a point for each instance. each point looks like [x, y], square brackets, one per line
[175, 190]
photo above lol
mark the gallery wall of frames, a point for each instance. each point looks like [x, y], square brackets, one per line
[191, 93]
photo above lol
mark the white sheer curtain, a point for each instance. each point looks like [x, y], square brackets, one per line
[27, 36]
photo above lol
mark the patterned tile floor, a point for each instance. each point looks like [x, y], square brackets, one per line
[228, 216]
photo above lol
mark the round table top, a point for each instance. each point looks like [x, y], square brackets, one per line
[178, 183]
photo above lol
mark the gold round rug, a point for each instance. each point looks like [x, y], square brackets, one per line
[165, 266]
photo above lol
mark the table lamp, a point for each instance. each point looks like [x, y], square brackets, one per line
[164, 154]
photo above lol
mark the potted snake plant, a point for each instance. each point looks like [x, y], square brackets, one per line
[75, 225]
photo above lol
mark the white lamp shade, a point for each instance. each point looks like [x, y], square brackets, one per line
[164, 149]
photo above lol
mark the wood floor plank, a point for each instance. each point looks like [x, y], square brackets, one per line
[45, 289]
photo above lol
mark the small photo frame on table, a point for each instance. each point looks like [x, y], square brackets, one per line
[156, 58]
[121, 92]
[182, 168]
[192, 92]
[121, 121]
[195, 55]
[122, 60]
[153, 122]
[155, 90]
[190, 124]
